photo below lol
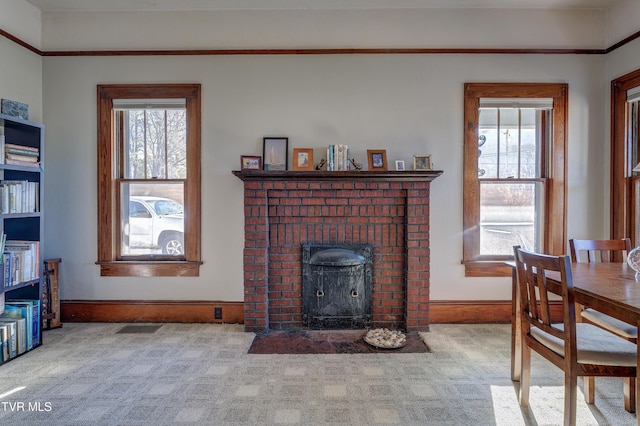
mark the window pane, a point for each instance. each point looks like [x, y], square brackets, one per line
[510, 143]
[488, 143]
[152, 219]
[509, 137]
[154, 144]
[510, 214]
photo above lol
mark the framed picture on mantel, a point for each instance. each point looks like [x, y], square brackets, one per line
[275, 153]
[377, 159]
[302, 159]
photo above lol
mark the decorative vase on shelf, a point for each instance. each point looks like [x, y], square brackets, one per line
[633, 260]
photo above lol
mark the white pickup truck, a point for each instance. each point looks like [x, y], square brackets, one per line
[156, 222]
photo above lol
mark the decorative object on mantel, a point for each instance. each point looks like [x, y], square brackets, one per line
[275, 153]
[355, 164]
[14, 108]
[400, 165]
[251, 162]
[302, 159]
[422, 162]
[377, 159]
[338, 157]
[320, 164]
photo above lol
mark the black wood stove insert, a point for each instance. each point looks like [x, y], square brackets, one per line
[336, 286]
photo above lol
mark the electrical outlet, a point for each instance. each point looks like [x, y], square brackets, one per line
[217, 313]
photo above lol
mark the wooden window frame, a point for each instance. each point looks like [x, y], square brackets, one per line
[625, 188]
[555, 221]
[108, 215]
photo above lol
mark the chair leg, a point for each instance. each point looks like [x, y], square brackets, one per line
[629, 385]
[570, 397]
[589, 389]
[525, 376]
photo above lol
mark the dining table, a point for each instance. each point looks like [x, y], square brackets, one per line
[611, 288]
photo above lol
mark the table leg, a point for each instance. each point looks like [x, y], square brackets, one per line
[516, 329]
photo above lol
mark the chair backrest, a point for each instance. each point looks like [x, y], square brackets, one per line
[600, 250]
[533, 271]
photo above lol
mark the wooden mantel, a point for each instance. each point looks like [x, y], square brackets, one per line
[314, 175]
[285, 209]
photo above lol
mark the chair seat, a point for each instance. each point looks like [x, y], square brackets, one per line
[594, 345]
[605, 321]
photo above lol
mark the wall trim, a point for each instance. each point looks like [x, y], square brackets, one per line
[181, 311]
[441, 311]
[477, 311]
[330, 51]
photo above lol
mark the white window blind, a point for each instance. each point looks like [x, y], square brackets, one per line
[537, 103]
[633, 95]
[130, 104]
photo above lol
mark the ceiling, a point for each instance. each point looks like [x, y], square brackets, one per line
[161, 5]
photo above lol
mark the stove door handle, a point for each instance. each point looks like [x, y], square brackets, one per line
[354, 293]
[319, 293]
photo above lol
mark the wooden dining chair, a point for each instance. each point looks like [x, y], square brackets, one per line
[579, 349]
[606, 251]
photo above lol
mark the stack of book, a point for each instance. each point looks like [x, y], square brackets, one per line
[19, 328]
[19, 196]
[338, 158]
[20, 155]
[21, 261]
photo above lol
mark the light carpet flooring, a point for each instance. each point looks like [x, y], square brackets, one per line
[201, 374]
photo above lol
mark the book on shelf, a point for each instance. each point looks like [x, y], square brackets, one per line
[22, 147]
[19, 196]
[21, 163]
[34, 306]
[21, 310]
[4, 342]
[21, 157]
[338, 158]
[21, 332]
[18, 155]
[11, 336]
[21, 260]
[25, 258]
[29, 151]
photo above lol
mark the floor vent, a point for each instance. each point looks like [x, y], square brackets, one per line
[139, 329]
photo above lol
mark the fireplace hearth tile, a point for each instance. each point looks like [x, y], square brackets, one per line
[326, 342]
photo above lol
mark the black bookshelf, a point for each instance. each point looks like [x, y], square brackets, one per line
[23, 222]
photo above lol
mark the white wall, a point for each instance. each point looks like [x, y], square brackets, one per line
[21, 76]
[22, 20]
[376, 28]
[402, 103]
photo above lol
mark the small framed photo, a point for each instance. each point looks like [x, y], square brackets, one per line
[422, 162]
[377, 159]
[400, 165]
[275, 153]
[251, 162]
[302, 159]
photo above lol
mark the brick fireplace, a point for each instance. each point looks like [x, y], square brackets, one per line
[285, 209]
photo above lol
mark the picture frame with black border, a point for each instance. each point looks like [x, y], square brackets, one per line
[377, 159]
[275, 153]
